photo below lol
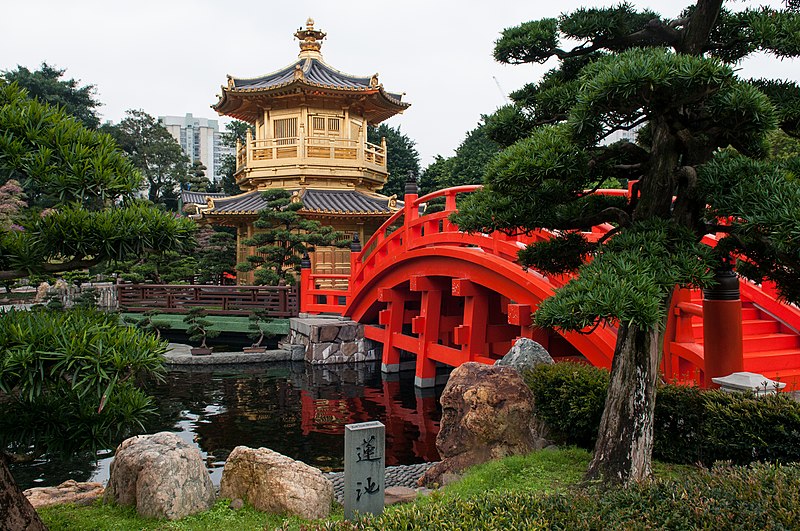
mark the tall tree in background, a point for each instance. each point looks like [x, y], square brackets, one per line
[47, 86]
[283, 237]
[401, 155]
[467, 166]
[153, 151]
[634, 68]
[235, 130]
[216, 254]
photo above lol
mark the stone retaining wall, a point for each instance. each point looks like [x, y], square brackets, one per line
[330, 340]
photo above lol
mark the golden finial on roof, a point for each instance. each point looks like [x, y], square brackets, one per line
[309, 37]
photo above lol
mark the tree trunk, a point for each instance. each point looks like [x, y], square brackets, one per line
[625, 440]
[16, 512]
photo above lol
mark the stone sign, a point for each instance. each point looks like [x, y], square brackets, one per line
[364, 468]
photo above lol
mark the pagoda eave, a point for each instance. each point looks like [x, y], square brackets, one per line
[247, 104]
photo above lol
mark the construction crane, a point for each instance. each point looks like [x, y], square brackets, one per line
[502, 92]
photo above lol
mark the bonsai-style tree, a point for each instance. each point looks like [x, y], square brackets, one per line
[199, 327]
[148, 322]
[258, 321]
[699, 167]
[283, 237]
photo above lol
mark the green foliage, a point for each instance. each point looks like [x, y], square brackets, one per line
[630, 278]
[102, 517]
[71, 234]
[283, 237]
[235, 130]
[259, 326]
[541, 471]
[199, 328]
[691, 425]
[55, 158]
[569, 399]
[47, 86]
[158, 268]
[759, 497]
[70, 379]
[674, 78]
[508, 124]
[785, 96]
[215, 255]
[764, 199]
[148, 323]
[153, 151]
[530, 42]
[402, 157]
[89, 186]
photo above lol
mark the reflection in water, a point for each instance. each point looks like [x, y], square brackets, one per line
[296, 409]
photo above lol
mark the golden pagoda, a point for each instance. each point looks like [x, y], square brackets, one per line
[310, 122]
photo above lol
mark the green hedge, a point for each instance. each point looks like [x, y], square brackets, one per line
[691, 425]
[761, 497]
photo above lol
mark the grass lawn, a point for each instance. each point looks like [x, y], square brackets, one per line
[222, 323]
[542, 472]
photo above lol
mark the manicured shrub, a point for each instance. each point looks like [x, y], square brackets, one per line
[691, 425]
[569, 399]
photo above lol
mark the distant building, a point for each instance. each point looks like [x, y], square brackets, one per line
[200, 139]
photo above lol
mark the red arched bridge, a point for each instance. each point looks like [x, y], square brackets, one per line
[422, 287]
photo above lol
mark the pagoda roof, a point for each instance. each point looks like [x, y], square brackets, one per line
[244, 98]
[199, 198]
[316, 201]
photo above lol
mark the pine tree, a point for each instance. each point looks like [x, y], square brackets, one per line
[284, 237]
[700, 158]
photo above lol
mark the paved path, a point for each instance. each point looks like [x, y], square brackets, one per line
[396, 476]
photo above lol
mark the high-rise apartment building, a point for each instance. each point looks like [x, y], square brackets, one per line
[200, 139]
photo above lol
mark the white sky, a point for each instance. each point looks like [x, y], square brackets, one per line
[169, 57]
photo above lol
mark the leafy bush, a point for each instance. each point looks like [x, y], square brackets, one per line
[759, 497]
[691, 425]
[68, 379]
[569, 399]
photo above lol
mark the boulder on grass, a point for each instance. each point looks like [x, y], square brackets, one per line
[275, 483]
[161, 475]
[487, 413]
[525, 355]
[70, 491]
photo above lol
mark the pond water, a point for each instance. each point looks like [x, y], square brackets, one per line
[296, 409]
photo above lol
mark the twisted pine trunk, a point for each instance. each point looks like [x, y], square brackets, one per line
[625, 440]
[16, 512]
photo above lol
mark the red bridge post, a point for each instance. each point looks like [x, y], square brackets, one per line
[426, 325]
[722, 327]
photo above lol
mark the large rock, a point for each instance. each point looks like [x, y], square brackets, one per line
[70, 491]
[487, 413]
[525, 355]
[275, 483]
[161, 475]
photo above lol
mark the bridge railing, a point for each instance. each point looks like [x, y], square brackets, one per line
[408, 229]
[317, 297]
[279, 301]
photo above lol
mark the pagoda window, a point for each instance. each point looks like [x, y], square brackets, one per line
[285, 131]
[321, 125]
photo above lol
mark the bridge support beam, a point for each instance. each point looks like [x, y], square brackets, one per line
[392, 319]
[472, 334]
[426, 326]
